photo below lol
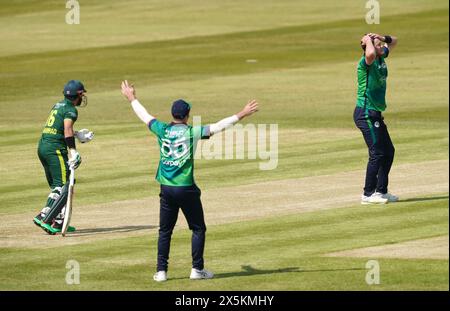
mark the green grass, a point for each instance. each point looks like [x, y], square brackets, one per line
[305, 81]
[192, 58]
[274, 253]
[33, 26]
[321, 144]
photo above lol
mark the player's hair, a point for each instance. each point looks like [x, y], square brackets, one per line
[363, 46]
[179, 117]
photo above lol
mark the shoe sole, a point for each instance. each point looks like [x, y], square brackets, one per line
[49, 231]
[55, 232]
[158, 280]
[37, 223]
[201, 278]
[373, 203]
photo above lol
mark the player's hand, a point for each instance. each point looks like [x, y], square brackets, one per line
[84, 135]
[75, 159]
[366, 38]
[249, 109]
[128, 91]
[374, 36]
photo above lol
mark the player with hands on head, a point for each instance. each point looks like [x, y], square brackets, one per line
[371, 102]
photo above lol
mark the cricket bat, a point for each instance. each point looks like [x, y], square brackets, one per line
[68, 211]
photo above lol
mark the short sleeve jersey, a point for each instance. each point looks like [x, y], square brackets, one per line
[53, 132]
[372, 83]
[177, 143]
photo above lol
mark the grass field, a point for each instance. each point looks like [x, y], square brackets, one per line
[304, 77]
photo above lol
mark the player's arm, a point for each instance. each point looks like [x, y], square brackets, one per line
[130, 94]
[391, 41]
[75, 158]
[369, 53]
[248, 110]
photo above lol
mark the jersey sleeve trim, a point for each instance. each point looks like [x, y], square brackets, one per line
[151, 123]
[206, 132]
[386, 52]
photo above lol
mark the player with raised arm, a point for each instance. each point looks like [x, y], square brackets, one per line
[370, 103]
[177, 141]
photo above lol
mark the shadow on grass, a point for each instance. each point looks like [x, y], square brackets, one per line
[250, 271]
[84, 232]
[443, 197]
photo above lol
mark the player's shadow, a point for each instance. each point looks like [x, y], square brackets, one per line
[443, 197]
[123, 229]
[249, 271]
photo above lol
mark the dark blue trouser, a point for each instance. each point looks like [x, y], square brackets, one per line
[171, 200]
[381, 150]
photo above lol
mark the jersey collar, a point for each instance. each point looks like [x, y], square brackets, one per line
[65, 100]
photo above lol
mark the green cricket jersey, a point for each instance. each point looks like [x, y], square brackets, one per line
[372, 83]
[177, 143]
[53, 133]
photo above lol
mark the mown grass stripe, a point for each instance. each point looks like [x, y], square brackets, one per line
[192, 58]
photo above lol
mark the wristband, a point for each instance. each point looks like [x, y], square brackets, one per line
[388, 39]
[70, 142]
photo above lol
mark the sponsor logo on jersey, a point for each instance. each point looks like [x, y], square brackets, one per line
[176, 163]
[175, 132]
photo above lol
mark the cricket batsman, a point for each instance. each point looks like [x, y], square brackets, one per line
[56, 144]
[177, 141]
[370, 103]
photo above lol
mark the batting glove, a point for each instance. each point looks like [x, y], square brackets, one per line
[84, 135]
[75, 159]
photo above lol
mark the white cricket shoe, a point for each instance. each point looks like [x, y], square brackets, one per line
[376, 198]
[390, 197]
[160, 276]
[201, 274]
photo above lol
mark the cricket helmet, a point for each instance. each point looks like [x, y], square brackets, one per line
[73, 88]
